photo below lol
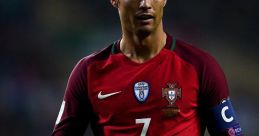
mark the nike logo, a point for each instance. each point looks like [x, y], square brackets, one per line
[103, 96]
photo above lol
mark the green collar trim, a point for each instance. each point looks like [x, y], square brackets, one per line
[173, 44]
[114, 48]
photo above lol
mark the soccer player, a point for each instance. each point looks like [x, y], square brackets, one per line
[146, 83]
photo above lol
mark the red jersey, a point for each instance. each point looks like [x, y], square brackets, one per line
[168, 95]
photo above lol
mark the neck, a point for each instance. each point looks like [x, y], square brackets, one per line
[142, 47]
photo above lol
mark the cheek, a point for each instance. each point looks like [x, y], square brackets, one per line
[125, 14]
[128, 10]
[159, 11]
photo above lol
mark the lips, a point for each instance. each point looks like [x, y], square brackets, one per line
[144, 17]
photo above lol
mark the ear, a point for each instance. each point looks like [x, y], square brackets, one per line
[115, 3]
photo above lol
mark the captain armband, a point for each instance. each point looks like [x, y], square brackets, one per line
[223, 120]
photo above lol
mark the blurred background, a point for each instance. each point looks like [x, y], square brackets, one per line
[42, 40]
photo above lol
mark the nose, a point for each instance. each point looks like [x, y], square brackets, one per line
[145, 4]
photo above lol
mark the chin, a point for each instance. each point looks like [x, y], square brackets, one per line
[145, 31]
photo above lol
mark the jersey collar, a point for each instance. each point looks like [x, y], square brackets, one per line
[170, 44]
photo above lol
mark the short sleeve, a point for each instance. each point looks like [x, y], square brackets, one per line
[72, 118]
[213, 84]
[214, 106]
[218, 112]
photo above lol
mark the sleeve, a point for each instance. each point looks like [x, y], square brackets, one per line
[219, 114]
[72, 118]
[214, 86]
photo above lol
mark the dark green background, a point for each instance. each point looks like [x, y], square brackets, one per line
[41, 41]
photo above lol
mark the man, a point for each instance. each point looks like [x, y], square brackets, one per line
[147, 83]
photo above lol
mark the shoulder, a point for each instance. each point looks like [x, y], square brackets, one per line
[96, 56]
[82, 65]
[200, 59]
[213, 84]
[191, 53]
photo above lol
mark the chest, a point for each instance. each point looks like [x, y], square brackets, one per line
[119, 90]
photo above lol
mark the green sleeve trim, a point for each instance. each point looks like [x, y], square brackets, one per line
[173, 44]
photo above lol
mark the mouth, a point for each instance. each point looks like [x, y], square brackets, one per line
[143, 17]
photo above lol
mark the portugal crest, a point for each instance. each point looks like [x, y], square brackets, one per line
[172, 93]
[141, 91]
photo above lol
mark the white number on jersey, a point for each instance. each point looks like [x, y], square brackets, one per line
[146, 122]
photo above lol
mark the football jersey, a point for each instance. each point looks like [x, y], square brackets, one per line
[169, 95]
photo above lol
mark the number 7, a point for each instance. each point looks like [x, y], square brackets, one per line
[146, 122]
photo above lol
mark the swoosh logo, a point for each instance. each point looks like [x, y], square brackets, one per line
[103, 96]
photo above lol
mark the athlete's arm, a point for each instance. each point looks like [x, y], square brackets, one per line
[72, 119]
[219, 114]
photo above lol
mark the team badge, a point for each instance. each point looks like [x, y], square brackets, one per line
[141, 91]
[172, 93]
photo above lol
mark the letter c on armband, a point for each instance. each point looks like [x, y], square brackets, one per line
[223, 114]
[223, 119]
